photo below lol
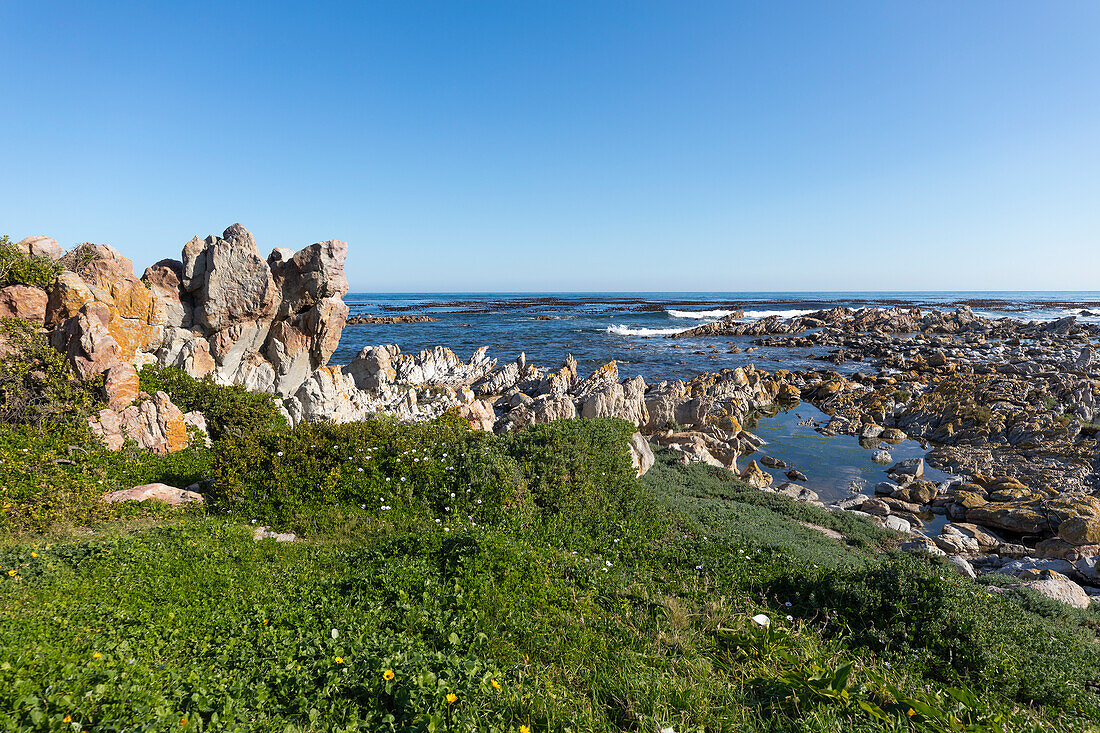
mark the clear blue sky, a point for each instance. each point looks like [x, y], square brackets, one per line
[562, 145]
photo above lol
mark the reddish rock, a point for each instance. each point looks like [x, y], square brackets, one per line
[479, 414]
[121, 385]
[87, 342]
[153, 423]
[25, 302]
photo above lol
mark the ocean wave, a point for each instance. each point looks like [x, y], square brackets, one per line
[698, 314]
[644, 332]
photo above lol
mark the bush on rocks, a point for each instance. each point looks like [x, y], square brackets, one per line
[229, 410]
[17, 268]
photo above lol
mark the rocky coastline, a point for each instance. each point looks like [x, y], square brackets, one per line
[1010, 408]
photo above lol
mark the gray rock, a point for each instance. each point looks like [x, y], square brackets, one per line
[641, 454]
[962, 565]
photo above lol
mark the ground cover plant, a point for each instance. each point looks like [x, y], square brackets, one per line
[452, 580]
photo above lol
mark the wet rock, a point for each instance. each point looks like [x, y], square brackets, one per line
[881, 456]
[875, 507]
[910, 467]
[772, 462]
[799, 493]
[918, 492]
[795, 475]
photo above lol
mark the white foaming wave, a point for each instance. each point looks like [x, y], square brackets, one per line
[698, 314]
[644, 332]
[781, 314]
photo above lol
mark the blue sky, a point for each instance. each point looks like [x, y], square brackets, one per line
[471, 146]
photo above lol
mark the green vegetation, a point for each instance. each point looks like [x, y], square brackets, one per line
[52, 468]
[229, 410]
[17, 268]
[453, 580]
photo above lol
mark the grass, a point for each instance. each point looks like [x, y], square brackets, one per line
[183, 622]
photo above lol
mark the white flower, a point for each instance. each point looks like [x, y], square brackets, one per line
[790, 617]
[761, 620]
[698, 567]
[280, 454]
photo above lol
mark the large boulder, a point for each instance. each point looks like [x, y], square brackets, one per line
[1080, 530]
[229, 280]
[1058, 587]
[23, 302]
[157, 492]
[40, 246]
[264, 324]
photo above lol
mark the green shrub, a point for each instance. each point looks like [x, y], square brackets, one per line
[37, 384]
[228, 409]
[946, 628]
[17, 268]
[294, 478]
[581, 479]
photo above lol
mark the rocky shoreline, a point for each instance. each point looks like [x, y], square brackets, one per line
[1010, 408]
[388, 320]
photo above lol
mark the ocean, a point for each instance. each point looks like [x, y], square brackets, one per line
[632, 327]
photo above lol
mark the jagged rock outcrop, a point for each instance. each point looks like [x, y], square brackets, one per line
[154, 423]
[265, 324]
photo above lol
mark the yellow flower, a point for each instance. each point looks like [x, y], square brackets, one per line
[912, 712]
[97, 655]
[339, 660]
[68, 719]
[11, 573]
[495, 684]
[524, 729]
[451, 697]
[183, 721]
[265, 622]
[387, 675]
[34, 554]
